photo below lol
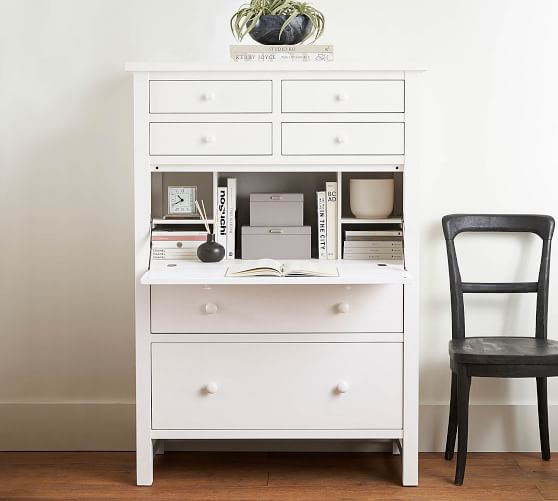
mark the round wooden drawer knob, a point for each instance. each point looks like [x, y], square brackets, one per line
[342, 387]
[211, 308]
[208, 96]
[341, 139]
[343, 308]
[212, 388]
[208, 139]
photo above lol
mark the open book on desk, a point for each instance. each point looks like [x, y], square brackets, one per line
[273, 268]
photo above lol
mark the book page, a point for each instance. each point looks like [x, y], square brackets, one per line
[310, 268]
[256, 268]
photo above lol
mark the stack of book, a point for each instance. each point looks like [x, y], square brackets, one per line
[282, 53]
[327, 205]
[171, 245]
[377, 245]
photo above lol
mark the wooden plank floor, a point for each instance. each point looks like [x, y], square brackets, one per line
[272, 476]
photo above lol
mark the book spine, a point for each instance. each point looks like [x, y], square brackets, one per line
[221, 231]
[322, 225]
[331, 197]
[166, 254]
[231, 213]
[395, 255]
[178, 235]
[282, 58]
[176, 245]
[366, 244]
[195, 238]
[373, 257]
[375, 233]
[289, 49]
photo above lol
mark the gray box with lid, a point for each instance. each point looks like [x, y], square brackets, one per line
[276, 242]
[276, 209]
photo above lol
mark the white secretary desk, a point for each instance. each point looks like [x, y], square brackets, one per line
[273, 358]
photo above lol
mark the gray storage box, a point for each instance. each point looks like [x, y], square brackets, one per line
[287, 242]
[276, 209]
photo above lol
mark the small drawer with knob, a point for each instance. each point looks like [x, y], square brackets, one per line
[343, 96]
[210, 96]
[342, 138]
[177, 309]
[248, 386]
[210, 138]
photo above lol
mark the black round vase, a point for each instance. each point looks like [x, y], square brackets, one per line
[211, 251]
[268, 27]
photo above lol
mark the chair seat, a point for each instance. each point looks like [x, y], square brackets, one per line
[504, 350]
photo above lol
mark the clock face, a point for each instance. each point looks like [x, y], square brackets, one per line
[182, 200]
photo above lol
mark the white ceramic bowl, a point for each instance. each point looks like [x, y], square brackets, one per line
[371, 198]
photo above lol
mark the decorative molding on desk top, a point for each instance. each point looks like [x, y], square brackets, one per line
[261, 67]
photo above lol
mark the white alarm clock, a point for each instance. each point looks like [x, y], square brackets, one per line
[182, 201]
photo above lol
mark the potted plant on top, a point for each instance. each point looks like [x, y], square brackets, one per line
[278, 22]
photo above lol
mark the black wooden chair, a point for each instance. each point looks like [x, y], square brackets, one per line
[502, 357]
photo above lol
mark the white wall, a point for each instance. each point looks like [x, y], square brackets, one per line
[489, 143]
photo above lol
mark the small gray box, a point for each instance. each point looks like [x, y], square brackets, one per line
[276, 209]
[287, 242]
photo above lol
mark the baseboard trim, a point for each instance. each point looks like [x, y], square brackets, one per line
[492, 428]
[110, 426]
[67, 426]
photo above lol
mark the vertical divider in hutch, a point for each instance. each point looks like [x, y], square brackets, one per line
[215, 203]
[339, 214]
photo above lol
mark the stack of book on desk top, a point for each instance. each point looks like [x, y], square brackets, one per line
[175, 245]
[378, 245]
[282, 53]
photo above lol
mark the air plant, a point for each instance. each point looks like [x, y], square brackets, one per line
[247, 16]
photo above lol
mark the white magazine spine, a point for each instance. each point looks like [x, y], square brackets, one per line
[322, 225]
[331, 194]
[231, 212]
[221, 231]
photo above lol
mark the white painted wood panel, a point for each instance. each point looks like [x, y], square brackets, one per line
[210, 96]
[342, 138]
[277, 386]
[307, 308]
[343, 96]
[368, 434]
[210, 138]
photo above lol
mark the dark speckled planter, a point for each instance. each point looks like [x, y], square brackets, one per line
[267, 30]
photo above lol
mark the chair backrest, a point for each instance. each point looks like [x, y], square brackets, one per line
[454, 224]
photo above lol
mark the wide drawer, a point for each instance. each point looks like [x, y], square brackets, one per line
[343, 96]
[210, 96]
[210, 138]
[281, 308]
[277, 385]
[343, 138]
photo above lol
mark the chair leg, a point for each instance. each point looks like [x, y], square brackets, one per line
[463, 389]
[542, 401]
[452, 421]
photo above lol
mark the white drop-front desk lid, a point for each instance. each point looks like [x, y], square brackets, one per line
[194, 272]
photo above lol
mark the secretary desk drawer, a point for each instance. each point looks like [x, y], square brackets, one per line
[276, 308]
[277, 385]
[210, 138]
[343, 96]
[342, 138]
[210, 96]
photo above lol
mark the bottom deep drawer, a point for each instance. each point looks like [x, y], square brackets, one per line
[277, 385]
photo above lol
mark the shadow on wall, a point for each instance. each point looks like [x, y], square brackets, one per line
[71, 290]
